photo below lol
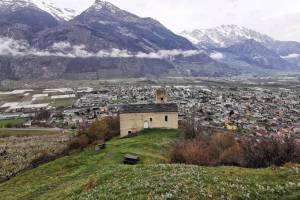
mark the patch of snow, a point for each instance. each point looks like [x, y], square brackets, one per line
[104, 4]
[290, 56]
[216, 56]
[65, 13]
[190, 37]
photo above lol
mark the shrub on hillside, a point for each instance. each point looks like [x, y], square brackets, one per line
[101, 130]
[265, 152]
[296, 156]
[211, 151]
[190, 152]
[79, 142]
[190, 129]
[233, 156]
[226, 149]
[104, 129]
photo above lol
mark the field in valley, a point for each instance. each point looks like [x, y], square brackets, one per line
[26, 132]
[12, 122]
[10, 97]
[100, 175]
[62, 103]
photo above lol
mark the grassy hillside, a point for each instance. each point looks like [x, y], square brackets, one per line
[91, 175]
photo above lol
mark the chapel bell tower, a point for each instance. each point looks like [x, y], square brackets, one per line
[161, 96]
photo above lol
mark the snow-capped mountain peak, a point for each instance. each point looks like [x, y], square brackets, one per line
[99, 5]
[105, 12]
[64, 14]
[60, 14]
[225, 35]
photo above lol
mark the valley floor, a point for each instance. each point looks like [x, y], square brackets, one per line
[92, 175]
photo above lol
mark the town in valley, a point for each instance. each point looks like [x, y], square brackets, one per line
[250, 109]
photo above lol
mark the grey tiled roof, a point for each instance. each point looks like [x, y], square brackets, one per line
[149, 108]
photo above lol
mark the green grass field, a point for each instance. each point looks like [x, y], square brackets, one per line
[62, 103]
[43, 100]
[92, 175]
[12, 122]
[23, 133]
[57, 103]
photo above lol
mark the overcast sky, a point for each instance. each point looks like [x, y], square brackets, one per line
[277, 18]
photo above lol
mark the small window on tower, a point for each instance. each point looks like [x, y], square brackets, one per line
[166, 118]
[151, 119]
[162, 99]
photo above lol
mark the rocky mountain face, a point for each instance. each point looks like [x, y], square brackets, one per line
[37, 67]
[254, 53]
[285, 48]
[202, 65]
[22, 19]
[105, 26]
[42, 41]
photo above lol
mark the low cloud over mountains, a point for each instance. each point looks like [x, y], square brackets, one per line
[11, 47]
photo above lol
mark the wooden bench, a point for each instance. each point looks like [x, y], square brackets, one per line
[131, 159]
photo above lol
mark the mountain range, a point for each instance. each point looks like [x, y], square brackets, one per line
[41, 41]
[235, 43]
[227, 35]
